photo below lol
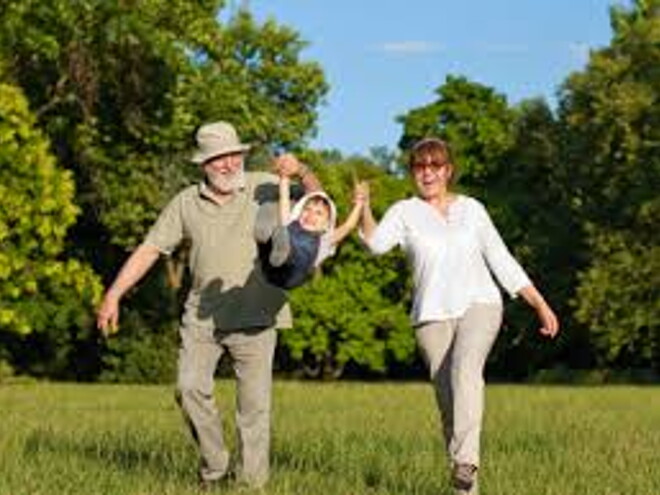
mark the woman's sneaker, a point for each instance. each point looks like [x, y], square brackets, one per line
[464, 477]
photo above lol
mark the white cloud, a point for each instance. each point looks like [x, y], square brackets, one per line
[409, 47]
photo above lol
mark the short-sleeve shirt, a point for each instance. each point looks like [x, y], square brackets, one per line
[228, 290]
[452, 256]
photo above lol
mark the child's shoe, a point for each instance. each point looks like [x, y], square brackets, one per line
[281, 246]
[265, 222]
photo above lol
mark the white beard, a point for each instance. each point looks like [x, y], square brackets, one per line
[226, 183]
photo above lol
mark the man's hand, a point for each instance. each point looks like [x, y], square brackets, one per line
[288, 165]
[107, 316]
[134, 268]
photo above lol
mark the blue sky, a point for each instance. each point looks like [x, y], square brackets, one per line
[385, 57]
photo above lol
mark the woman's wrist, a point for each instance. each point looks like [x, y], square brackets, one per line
[532, 296]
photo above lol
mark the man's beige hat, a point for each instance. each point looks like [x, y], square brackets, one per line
[217, 139]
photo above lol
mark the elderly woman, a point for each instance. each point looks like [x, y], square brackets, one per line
[453, 246]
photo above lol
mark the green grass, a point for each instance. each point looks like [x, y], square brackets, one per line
[343, 439]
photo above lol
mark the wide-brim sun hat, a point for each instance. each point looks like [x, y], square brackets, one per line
[217, 139]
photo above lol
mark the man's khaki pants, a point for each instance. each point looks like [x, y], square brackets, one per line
[456, 351]
[251, 352]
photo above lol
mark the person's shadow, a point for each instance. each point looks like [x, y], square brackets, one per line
[254, 304]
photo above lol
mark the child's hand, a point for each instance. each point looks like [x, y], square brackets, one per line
[361, 193]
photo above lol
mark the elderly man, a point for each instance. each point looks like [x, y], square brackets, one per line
[230, 309]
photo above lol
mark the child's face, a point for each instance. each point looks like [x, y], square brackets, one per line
[315, 216]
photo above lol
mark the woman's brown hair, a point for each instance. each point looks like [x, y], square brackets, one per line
[432, 151]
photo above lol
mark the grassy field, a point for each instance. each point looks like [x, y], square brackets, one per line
[343, 439]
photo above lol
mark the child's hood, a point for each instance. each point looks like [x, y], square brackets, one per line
[300, 204]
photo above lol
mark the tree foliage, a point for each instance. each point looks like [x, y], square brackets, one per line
[473, 118]
[121, 86]
[618, 299]
[611, 118]
[40, 290]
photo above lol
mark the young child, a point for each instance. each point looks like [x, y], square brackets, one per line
[303, 237]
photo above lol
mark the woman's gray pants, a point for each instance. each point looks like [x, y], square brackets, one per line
[455, 351]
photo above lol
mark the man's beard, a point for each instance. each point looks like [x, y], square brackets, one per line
[225, 183]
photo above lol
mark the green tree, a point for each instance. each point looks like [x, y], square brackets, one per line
[611, 118]
[618, 299]
[473, 118]
[43, 295]
[530, 204]
[121, 86]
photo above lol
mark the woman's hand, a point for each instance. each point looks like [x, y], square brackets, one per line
[361, 193]
[547, 317]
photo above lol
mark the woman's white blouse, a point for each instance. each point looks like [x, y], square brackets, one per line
[450, 256]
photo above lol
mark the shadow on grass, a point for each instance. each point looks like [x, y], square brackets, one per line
[379, 466]
[372, 465]
[129, 452]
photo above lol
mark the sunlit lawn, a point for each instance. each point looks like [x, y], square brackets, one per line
[345, 438]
